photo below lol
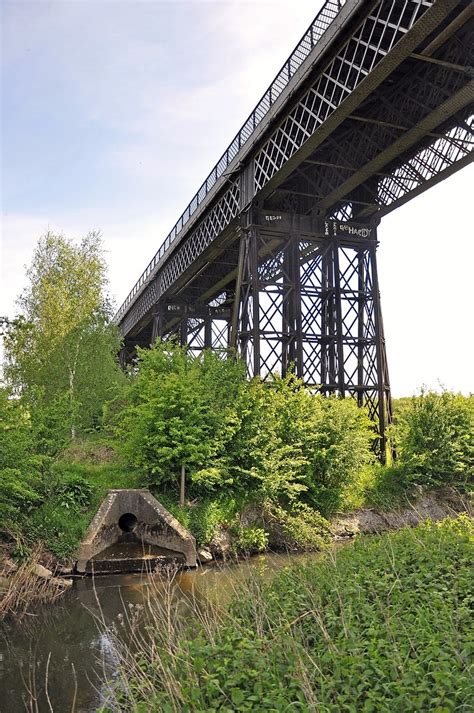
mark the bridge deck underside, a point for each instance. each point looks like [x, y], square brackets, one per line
[413, 129]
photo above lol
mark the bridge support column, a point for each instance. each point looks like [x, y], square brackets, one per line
[309, 301]
[199, 326]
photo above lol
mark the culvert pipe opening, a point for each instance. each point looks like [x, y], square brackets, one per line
[128, 522]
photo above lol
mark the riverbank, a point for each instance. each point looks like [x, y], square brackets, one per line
[413, 508]
[44, 578]
[381, 626]
[25, 586]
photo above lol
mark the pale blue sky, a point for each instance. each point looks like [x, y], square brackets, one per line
[114, 112]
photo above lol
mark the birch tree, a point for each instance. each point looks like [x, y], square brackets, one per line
[61, 348]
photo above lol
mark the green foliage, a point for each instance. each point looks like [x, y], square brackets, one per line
[51, 421]
[265, 454]
[74, 492]
[69, 497]
[291, 445]
[209, 515]
[340, 450]
[251, 540]
[381, 626]
[17, 498]
[300, 528]
[388, 488]
[61, 351]
[15, 432]
[43, 500]
[273, 441]
[435, 438]
[18, 465]
[59, 525]
[176, 414]
[204, 518]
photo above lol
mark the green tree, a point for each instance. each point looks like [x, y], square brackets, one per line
[176, 414]
[61, 349]
[435, 437]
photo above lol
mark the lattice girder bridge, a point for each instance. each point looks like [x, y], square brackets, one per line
[276, 253]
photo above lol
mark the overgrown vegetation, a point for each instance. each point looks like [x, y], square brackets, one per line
[274, 440]
[211, 444]
[435, 438]
[383, 626]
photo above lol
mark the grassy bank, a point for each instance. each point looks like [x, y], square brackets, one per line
[68, 494]
[384, 625]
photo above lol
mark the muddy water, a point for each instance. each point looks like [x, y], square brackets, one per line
[63, 642]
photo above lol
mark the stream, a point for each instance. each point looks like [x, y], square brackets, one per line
[64, 643]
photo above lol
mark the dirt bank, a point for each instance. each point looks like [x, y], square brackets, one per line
[433, 505]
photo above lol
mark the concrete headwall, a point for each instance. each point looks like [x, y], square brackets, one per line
[154, 525]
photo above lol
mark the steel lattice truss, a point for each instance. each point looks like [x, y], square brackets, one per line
[216, 221]
[360, 55]
[367, 112]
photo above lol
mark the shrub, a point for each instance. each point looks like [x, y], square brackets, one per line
[341, 448]
[176, 415]
[15, 432]
[18, 466]
[251, 540]
[435, 438]
[75, 492]
[274, 440]
[60, 528]
[206, 517]
[301, 528]
[290, 444]
[17, 498]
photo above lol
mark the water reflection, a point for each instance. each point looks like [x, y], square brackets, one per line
[69, 636]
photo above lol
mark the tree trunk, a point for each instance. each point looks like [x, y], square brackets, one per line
[71, 399]
[182, 484]
[72, 378]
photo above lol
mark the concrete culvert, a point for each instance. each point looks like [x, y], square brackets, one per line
[127, 514]
[128, 522]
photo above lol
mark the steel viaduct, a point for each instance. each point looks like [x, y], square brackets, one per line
[275, 256]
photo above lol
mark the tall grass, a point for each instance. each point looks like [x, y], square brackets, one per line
[381, 626]
[25, 590]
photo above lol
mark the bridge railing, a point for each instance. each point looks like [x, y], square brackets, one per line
[320, 24]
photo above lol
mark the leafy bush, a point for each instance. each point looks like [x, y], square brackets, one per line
[435, 438]
[75, 491]
[59, 527]
[299, 528]
[290, 445]
[341, 448]
[50, 421]
[204, 517]
[18, 465]
[251, 540]
[272, 440]
[209, 515]
[17, 498]
[176, 414]
[16, 442]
